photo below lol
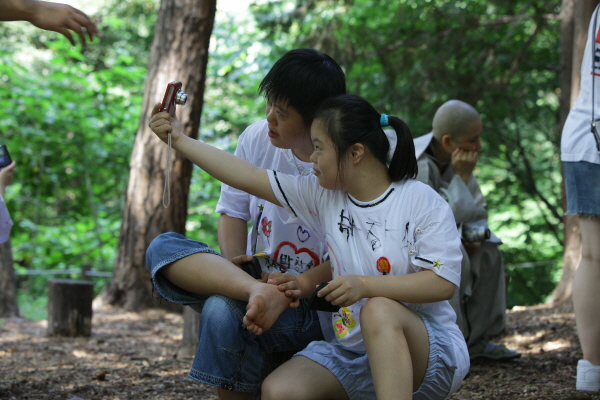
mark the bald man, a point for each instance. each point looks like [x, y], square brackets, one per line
[447, 158]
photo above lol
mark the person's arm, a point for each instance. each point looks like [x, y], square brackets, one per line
[6, 177]
[221, 165]
[49, 16]
[232, 235]
[420, 287]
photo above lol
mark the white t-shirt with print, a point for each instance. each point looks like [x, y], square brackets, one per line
[292, 248]
[408, 229]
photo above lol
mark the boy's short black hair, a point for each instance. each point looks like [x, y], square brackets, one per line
[303, 78]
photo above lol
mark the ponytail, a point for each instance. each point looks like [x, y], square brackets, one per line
[404, 161]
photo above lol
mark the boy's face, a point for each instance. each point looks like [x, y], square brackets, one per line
[286, 127]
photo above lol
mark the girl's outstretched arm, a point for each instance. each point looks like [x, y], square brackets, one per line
[223, 166]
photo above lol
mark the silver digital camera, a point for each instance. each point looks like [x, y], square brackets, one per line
[474, 233]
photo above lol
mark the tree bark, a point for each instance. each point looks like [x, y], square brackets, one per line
[70, 307]
[8, 283]
[575, 19]
[189, 340]
[179, 52]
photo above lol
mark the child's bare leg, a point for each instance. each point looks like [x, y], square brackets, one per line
[207, 274]
[394, 335]
[265, 305]
[302, 379]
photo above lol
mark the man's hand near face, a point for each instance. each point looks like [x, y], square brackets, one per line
[463, 163]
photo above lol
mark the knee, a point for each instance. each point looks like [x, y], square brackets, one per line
[156, 250]
[219, 313]
[273, 389]
[377, 314]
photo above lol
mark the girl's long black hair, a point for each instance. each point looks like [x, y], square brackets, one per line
[350, 119]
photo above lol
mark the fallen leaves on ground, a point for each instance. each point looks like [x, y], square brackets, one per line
[132, 356]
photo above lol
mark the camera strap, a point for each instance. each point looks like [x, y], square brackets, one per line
[167, 188]
[594, 130]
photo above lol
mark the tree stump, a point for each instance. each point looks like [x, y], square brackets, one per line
[189, 342]
[70, 307]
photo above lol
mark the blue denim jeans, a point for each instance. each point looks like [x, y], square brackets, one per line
[228, 355]
[582, 184]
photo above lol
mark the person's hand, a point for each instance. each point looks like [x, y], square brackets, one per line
[463, 163]
[63, 18]
[239, 260]
[288, 284]
[471, 247]
[162, 123]
[6, 176]
[344, 290]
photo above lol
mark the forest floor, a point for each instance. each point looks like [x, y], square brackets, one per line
[132, 356]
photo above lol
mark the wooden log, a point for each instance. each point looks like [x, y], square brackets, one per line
[189, 342]
[70, 307]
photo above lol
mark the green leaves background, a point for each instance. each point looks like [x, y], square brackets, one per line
[70, 114]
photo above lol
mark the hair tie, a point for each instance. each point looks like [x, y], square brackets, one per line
[383, 121]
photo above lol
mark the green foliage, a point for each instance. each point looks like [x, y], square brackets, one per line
[71, 126]
[32, 306]
[71, 114]
[408, 57]
[72, 117]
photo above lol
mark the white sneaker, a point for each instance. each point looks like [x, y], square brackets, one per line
[588, 376]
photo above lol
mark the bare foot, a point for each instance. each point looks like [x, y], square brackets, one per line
[265, 305]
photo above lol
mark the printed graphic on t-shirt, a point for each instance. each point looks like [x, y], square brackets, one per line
[346, 224]
[343, 322]
[288, 256]
[383, 265]
[266, 226]
[303, 234]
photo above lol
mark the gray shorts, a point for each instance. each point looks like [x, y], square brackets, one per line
[354, 372]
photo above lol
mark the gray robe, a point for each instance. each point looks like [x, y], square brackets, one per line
[480, 303]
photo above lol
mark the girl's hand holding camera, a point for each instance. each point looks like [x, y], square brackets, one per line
[344, 290]
[162, 123]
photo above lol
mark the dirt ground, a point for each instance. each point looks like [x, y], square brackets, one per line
[132, 356]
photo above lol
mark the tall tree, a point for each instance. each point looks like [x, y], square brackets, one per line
[575, 19]
[179, 52]
[8, 285]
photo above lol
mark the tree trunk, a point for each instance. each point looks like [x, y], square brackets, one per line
[8, 283]
[179, 52]
[575, 19]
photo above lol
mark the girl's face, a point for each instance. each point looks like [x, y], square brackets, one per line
[286, 127]
[324, 157]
